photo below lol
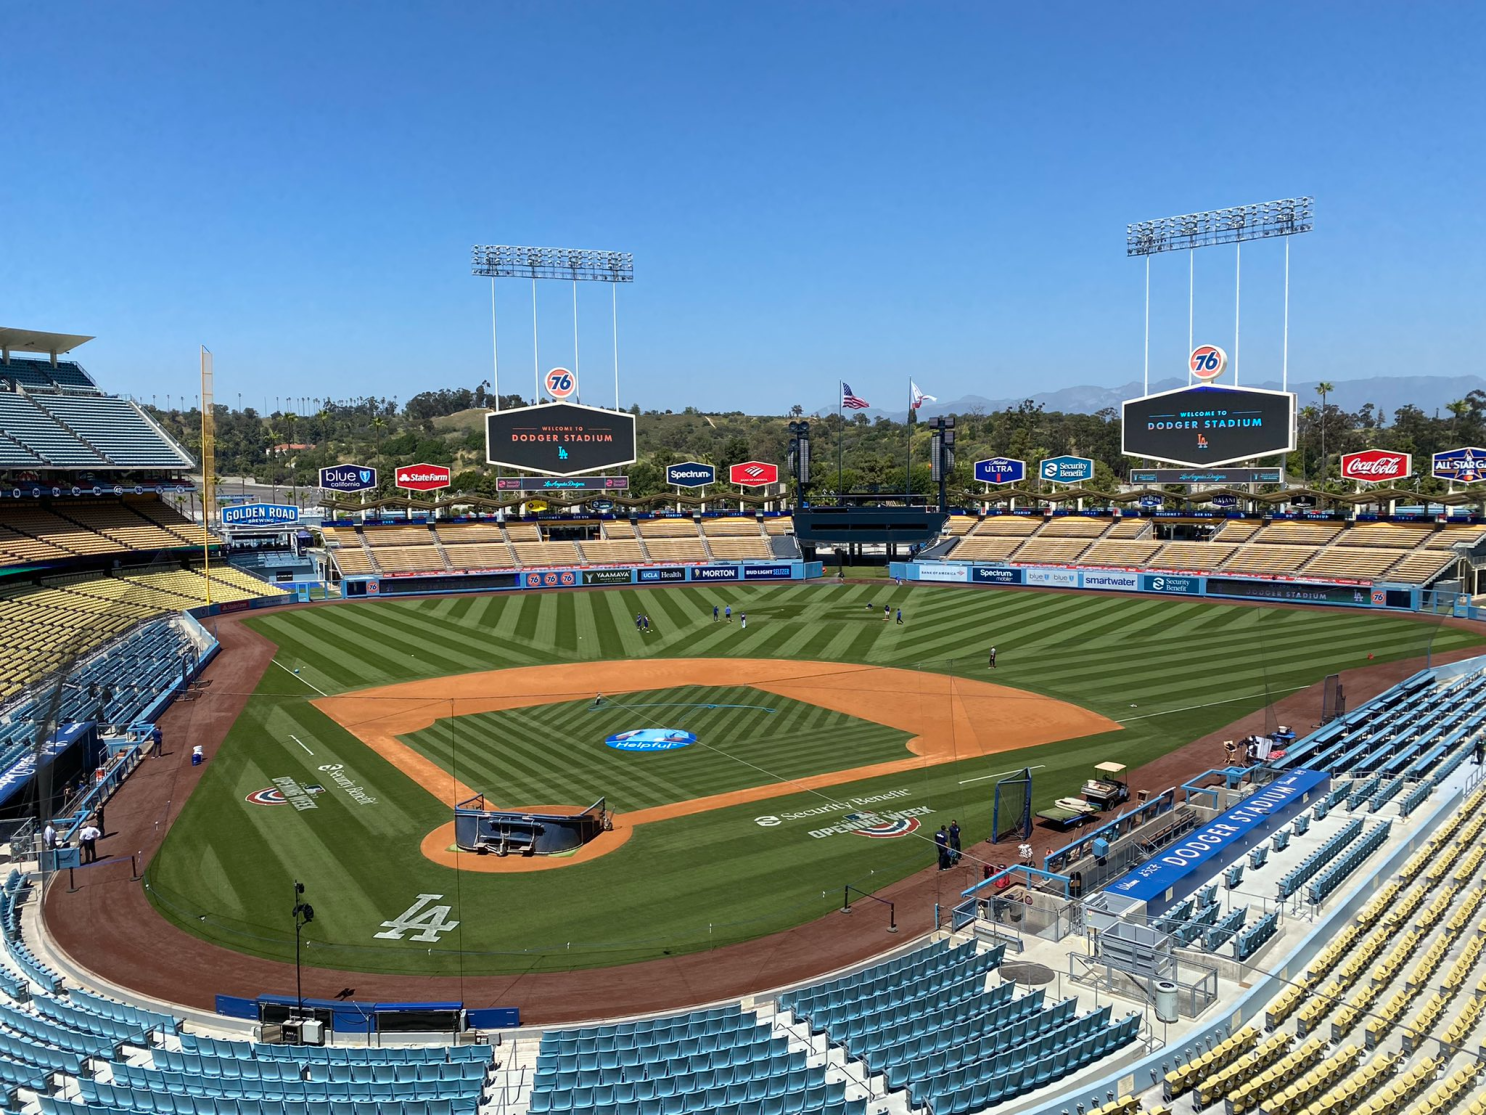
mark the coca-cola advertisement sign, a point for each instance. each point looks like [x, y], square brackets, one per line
[1377, 465]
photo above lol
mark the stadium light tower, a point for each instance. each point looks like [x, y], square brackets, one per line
[1286, 217]
[508, 261]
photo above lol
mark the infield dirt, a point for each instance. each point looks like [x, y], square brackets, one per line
[949, 719]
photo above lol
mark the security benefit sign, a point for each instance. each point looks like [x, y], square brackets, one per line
[560, 439]
[1207, 426]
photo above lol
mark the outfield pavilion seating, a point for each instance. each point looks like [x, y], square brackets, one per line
[85, 527]
[976, 547]
[1267, 558]
[475, 545]
[546, 553]
[957, 526]
[1449, 536]
[779, 524]
[675, 548]
[736, 539]
[601, 551]
[1236, 530]
[1007, 526]
[1365, 563]
[523, 532]
[1389, 536]
[1074, 526]
[1122, 553]
[1296, 532]
[115, 428]
[1130, 529]
[1050, 551]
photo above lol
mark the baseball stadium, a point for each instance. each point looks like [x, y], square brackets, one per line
[1053, 791]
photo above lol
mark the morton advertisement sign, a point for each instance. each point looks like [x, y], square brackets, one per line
[1209, 426]
[560, 439]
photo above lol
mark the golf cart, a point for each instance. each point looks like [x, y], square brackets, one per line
[1107, 787]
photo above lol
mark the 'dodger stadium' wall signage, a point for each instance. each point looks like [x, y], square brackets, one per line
[560, 439]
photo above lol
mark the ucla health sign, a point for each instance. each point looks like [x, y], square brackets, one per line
[249, 515]
[348, 478]
[1066, 469]
[1001, 470]
[691, 474]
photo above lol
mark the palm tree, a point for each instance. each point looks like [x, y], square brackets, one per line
[1324, 388]
[1307, 419]
[378, 425]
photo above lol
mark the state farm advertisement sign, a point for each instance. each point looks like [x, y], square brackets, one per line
[1377, 465]
[422, 478]
[753, 474]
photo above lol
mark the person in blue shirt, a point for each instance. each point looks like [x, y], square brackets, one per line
[900, 617]
[714, 613]
[729, 613]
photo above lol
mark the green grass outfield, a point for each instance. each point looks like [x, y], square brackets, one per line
[1170, 669]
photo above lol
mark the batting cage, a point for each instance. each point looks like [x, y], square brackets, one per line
[1011, 815]
[506, 832]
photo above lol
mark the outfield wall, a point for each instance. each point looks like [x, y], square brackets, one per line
[1360, 594]
[582, 577]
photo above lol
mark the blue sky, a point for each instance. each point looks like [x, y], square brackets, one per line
[813, 191]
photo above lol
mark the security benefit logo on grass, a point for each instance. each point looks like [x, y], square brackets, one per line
[286, 791]
[878, 824]
[338, 775]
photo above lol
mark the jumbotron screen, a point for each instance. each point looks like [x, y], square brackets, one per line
[560, 439]
[1208, 426]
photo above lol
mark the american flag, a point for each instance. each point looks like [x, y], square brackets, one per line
[850, 401]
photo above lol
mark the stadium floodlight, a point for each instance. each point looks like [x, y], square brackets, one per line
[1285, 217]
[507, 261]
[511, 261]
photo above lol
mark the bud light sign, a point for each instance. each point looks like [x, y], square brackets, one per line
[691, 474]
[1000, 470]
[348, 478]
[1376, 465]
[249, 515]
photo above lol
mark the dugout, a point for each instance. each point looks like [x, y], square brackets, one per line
[504, 832]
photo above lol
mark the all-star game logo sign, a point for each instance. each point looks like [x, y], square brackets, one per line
[879, 827]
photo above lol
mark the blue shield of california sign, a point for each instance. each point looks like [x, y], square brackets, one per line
[1000, 470]
[348, 478]
[1066, 469]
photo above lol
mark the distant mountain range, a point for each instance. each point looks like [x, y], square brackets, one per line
[1388, 393]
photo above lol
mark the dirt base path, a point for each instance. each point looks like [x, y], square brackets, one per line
[948, 719]
[109, 927]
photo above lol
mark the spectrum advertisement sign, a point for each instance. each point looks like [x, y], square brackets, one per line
[691, 474]
[991, 575]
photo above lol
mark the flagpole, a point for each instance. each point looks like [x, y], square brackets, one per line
[840, 434]
[908, 456]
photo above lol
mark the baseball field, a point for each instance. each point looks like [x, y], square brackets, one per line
[829, 746]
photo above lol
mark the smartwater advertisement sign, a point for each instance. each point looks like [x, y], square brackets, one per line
[766, 572]
[1163, 582]
[1119, 582]
[1054, 578]
[249, 515]
[949, 573]
[989, 575]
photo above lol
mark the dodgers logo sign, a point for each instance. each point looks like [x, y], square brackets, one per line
[651, 739]
[1000, 470]
[1066, 469]
[561, 384]
[248, 515]
[1466, 465]
[691, 474]
[348, 478]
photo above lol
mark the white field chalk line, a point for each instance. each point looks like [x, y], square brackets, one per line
[311, 684]
[1001, 774]
[1189, 708]
[299, 741]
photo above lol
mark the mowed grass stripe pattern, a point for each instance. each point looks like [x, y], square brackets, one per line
[556, 754]
[1105, 652]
